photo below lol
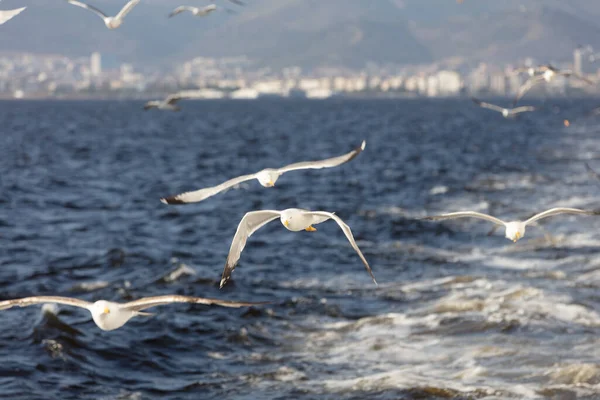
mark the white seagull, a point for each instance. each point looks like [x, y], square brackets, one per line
[109, 315]
[506, 112]
[110, 22]
[547, 74]
[5, 15]
[266, 177]
[515, 230]
[294, 219]
[168, 104]
[196, 11]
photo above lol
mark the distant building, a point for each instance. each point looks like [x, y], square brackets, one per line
[96, 64]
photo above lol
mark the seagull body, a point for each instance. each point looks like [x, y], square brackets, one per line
[110, 22]
[266, 177]
[506, 112]
[5, 15]
[515, 230]
[546, 74]
[293, 219]
[196, 11]
[109, 315]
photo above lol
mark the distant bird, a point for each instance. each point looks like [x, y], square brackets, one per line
[109, 315]
[294, 219]
[506, 112]
[5, 15]
[196, 11]
[515, 230]
[592, 172]
[547, 73]
[168, 104]
[266, 177]
[110, 22]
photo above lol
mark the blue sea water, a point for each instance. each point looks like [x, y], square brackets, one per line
[457, 314]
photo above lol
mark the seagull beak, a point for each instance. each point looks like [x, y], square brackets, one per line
[271, 183]
[286, 223]
[517, 237]
[106, 310]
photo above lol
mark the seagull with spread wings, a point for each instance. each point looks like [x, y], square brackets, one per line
[195, 11]
[110, 22]
[293, 219]
[169, 103]
[266, 177]
[546, 74]
[109, 315]
[515, 230]
[506, 112]
[5, 15]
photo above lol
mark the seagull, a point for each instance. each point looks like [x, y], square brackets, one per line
[109, 315]
[506, 112]
[196, 11]
[110, 22]
[266, 177]
[515, 230]
[168, 104]
[547, 74]
[295, 220]
[5, 15]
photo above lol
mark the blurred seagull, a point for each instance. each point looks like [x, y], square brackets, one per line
[168, 104]
[546, 74]
[196, 11]
[266, 177]
[515, 230]
[294, 219]
[110, 22]
[109, 315]
[5, 15]
[506, 112]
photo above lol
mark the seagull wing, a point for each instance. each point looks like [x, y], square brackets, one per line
[29, 301]
[522, 109]
[349, 236]
[148, 302]
[592, 172]
[87, 6]
[125, 10]
[327, 163]
[174, 98]
[581, 78]
[5, 15]
[250, 223]
[181, 9]
[531, 82]
[557, 211]
[465, 214]
[487, 105]
[202, 194]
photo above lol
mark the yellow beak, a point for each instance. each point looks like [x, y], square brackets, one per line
[271, 183]
[106, 310]
[286, 223]
[517, 237]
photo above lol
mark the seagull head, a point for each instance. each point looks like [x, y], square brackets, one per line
[292, 219]
[267, 177]
[109, 316]
[515, 230]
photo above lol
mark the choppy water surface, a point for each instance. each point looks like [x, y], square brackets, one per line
[457, 314]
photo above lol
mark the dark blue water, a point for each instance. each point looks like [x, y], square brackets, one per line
[458, 314]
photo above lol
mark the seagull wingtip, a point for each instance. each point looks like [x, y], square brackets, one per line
[363, 145]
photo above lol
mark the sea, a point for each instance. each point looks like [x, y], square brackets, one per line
[460, 312]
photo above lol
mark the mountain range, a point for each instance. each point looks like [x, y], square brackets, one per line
[311, 33]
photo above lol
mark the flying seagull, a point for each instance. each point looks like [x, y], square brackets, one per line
[294, 219]
[110, 22]
[196, 11]
[547, 74]
[515, 230]
[109, 315]
[5, 15]
[506, 112]
[266, 177]
[168, 104]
